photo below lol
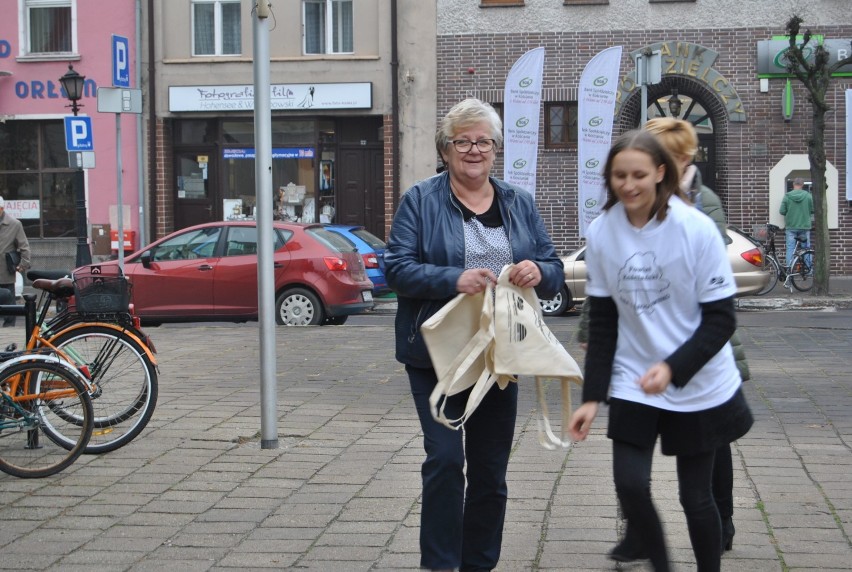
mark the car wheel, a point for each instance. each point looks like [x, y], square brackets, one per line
[336, 320]
[557, 305]
[298, 307]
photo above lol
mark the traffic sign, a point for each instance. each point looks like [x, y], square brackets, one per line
[78, 133]
[118, 100]
[120, 61]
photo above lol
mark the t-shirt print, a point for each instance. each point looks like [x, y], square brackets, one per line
[641, 283]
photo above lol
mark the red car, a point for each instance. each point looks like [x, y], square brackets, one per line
[208, 272]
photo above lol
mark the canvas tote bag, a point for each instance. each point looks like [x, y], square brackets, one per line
[478, 340]
[524, 345]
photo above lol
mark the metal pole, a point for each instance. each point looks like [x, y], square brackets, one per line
[265, 229]
[84, 255]
[120, 210]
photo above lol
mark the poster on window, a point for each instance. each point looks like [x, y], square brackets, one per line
[326, 176]
[595, 108]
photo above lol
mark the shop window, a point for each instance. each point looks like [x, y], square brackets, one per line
[49, 26]
[328, 26]
[560, 124]
[35, 178]
[216, 28]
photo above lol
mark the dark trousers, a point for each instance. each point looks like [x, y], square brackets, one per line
[7, 296]
[463, 527]
[723, 482]
[632, 475]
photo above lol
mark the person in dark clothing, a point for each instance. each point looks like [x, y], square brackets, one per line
[452, 234]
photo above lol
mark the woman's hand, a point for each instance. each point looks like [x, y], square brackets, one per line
[475, 280]
[581, 420]
[656, 379]
[525, 274]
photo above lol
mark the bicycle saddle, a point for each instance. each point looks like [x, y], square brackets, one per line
[61, 288]
[34, 275]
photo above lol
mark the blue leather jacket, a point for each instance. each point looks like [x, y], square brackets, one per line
[426, 254]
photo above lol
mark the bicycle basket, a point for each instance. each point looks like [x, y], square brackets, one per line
[760, 232]
[98, 294]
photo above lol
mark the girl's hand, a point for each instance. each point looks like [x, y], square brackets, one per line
[581, 420]
[656, 379]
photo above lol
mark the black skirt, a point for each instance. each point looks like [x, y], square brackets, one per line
[680, 433]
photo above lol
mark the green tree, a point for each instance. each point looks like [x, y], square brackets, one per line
[814, 72]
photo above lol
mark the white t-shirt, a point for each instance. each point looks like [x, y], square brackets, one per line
[657, 276]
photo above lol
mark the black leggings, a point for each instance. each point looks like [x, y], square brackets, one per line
[632, 475]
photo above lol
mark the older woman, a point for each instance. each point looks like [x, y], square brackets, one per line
[453, 233]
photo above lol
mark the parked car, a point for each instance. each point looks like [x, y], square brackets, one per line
[208, 272]
[745, 254]
[372, 250]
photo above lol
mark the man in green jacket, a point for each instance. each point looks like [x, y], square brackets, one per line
[797, 208]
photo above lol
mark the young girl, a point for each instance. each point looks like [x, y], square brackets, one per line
[661, 314]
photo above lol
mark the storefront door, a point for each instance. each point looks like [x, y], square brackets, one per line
[195, 197]
[360, 195]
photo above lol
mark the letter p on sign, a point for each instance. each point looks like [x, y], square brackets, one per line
[120, 61]
[78, 134]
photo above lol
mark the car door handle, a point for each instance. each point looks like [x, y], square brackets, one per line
[205, 267]
[278, 265]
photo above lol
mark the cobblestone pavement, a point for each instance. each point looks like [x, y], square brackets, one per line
[196, 492]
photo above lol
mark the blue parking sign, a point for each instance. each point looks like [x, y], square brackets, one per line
[120, 61]
[78, 133]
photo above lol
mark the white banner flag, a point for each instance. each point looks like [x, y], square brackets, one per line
[521, 103]
[849, 144]
[595, 108]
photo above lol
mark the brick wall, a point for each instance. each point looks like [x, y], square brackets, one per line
[745, 151]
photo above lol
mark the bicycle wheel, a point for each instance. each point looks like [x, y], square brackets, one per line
[125, 382]
[24, 452]
[770, 264]
[802, 271]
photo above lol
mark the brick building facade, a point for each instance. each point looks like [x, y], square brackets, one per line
[753, 151]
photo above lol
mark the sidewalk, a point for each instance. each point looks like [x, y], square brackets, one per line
[195, 492]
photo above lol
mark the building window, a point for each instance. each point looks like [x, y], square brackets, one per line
[35, 177]
[560, 124]
[583, 2]
[49, 27]
[216, 28]
[326, 34]
[501, 2]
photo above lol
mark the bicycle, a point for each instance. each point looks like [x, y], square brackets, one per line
[39, 392]
[799, 274]
[97, 331]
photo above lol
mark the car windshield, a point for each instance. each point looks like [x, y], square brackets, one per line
[331, 239]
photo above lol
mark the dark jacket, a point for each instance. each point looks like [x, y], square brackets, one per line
[426, 254]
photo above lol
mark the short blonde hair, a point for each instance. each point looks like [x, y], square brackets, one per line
[467, 113]
[677, 135]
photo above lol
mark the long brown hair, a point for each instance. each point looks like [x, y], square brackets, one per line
[644, 141]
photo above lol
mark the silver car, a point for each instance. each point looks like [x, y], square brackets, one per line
[745, 254]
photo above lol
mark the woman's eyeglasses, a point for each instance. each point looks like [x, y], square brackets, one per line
[465, 146]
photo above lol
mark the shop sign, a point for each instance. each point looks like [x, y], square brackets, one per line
[296, 97]
[28, 209]
[277, 153]
[771, 61]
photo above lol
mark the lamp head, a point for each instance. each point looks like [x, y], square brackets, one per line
[72, 83]
[675, 104]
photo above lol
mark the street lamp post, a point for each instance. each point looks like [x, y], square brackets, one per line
[72, 82]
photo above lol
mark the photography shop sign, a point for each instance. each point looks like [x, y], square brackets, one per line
[298, 97]
[771, 60]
